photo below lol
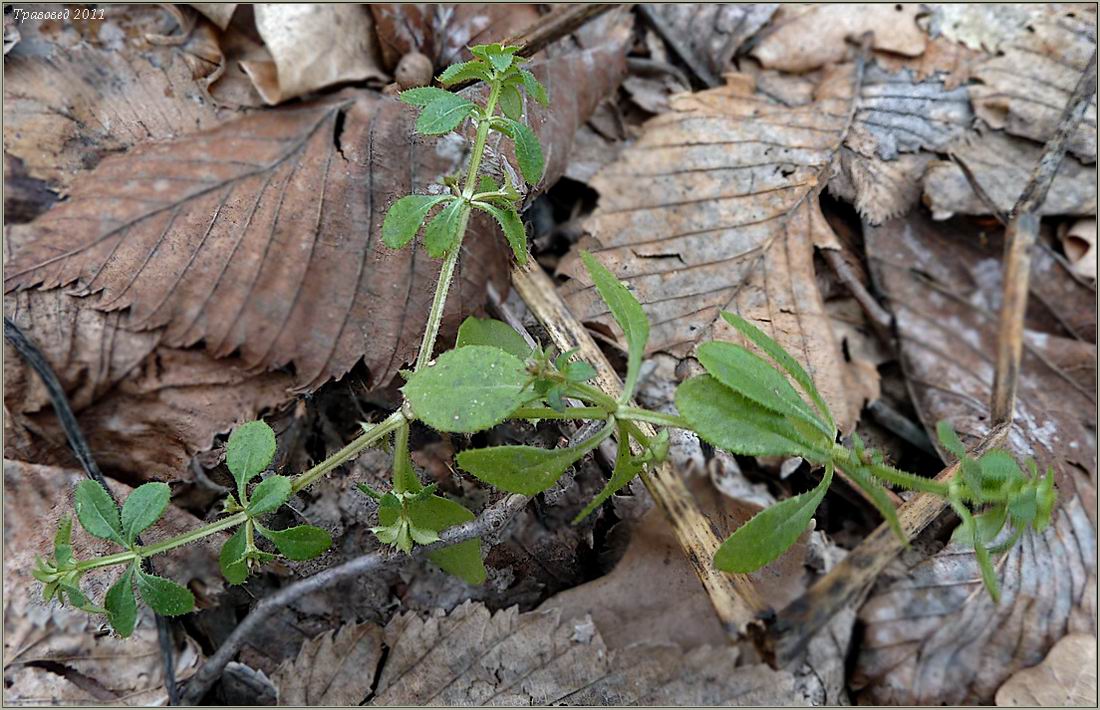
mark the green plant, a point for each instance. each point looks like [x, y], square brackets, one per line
[745, 404]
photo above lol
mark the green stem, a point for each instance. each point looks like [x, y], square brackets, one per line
[483, 127]
[644, 415]
[636, 432]
[387, 425]
[401, 472]
[568, 413]
[593, 395]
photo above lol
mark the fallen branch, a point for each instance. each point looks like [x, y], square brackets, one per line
[491, 522]
[783, 639]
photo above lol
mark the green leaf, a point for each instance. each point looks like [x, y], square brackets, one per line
[782, 358]
[512, 225]
[737, 424]
[751, 376]
[443, 232]
[990, 524]
[475, 69]
[468, 389]
[405, 216]
[144, 507]
[272, 492]
[423, 96]
[770, 532]
[121, 605]
[444, 114]
[949, 439]
[492, 333]
[303, 542]
[528, 150]
[579, 371]
[250, 450]
[628, 314]
[511, 103]
[231, 560]
[1047, 497]
[434, 513]
[97, 513]
[1023, 507]
[626, 468]
[875, 491]
[63, 542]
[163, 595]
[981, 553]
[525, 469]
[534, 87]
[500, 56]
[999, 470]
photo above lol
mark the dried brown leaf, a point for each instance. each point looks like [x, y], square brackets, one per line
[1066, 677]
[804, 37]
[1025, 89]
[335, 668]
[715, 208]
[1079, 244]
[713, 32]
[474, 657]
[934, 634]
[1002, 165]
[220, 13]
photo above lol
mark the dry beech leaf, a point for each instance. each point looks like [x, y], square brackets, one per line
[949, 61]
[934, 634]
[982, 26]
[1066, 677]
[1002, 165]
[713, 32]
[805, 37]
[194, 236]
[1079, 244]
[1070, 302]
[715, 208]
[335, 668]
[220, 13]
[1025, 89]
[474, 657]
[313, 46]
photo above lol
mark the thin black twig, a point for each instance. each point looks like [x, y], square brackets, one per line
[491, 522]
[38, 362]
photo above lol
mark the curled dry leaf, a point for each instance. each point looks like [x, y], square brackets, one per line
[1079, 244]
[805, 37]
[934, 635]
[1002, 165]
[1025, 89]
[1066, 677]
[192, 235]
[335, 668]
[313, 46]
[474, 657]
[715, 208]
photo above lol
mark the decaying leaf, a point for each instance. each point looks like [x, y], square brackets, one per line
[336, 668]
[192, 235]
[220, 13]
[712, 32]
[1002, 165]
[55, 655]
[984, 26]
[1066, 677]
[1025, 89]
[474, 657]
[934, 635]
[804, 37]
[1079, 244]
[292, 34]
[715, 208]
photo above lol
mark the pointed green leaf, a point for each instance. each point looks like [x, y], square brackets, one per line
[534, 87]
[525, 469]
[875, 491]
[981, 553]
[1047, 497]
[474, 69]
[949, 439]
[626, 468]
[231, 560]
[272, 492]
[782, 358]
[97, 512]
[144, 507]
[771, 532]
[463, 560]
[990, 524]
[443, 232]
[422, 96]
[628, 314]
[500, 56]
[121, 605]
[250, 449]
[493, 333]
[164, 596]
[405, 216]
[511, 103]
[731, 422]
[528, 150]
[63, 542]
[999, 470]
[468, 389]
[444, 114]
[510, 222]
[751, 376]
[303, 542]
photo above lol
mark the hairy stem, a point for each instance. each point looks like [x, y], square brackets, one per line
[569, 413]
[638, 414]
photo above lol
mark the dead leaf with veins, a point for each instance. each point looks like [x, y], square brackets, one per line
[933, 634]
[335, 668]
[1066, 677]
[713, 32]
